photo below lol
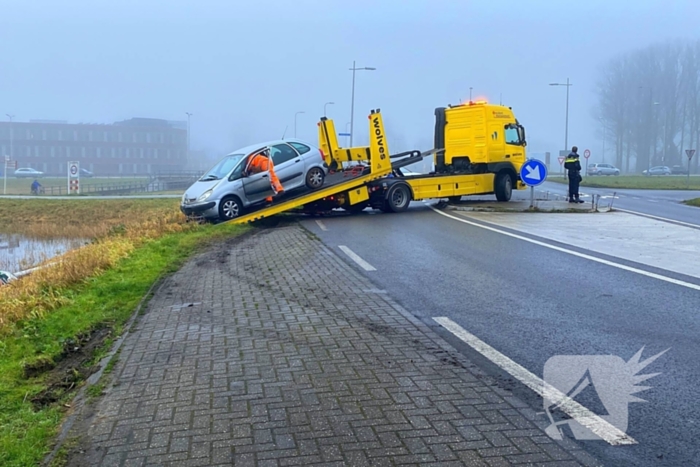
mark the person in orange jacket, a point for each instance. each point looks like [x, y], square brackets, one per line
[262, 162]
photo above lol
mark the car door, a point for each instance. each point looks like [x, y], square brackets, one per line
[256, 187]
[289, 166]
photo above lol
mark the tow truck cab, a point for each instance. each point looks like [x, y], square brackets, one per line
[478, 138]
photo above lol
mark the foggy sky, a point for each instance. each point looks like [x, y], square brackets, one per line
[243, 68]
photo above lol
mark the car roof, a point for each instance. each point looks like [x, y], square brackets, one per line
[255, 147]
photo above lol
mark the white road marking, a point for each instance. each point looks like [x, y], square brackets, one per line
[659, 218]
[353, 256]
[322, 225]
[581, 414]
[642, 272]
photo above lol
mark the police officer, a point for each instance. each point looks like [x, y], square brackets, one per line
[573, 166]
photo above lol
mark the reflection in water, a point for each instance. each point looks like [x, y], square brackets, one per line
[18, 252]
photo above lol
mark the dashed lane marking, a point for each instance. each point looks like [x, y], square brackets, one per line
[581, 414]
[322, 225]
[642, 272]
[353, 256]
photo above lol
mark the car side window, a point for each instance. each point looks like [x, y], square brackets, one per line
[282, 153]
[301, 148]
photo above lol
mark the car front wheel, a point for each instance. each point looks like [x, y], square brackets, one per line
[230, 208]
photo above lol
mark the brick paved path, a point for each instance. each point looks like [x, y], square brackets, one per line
[290, 357]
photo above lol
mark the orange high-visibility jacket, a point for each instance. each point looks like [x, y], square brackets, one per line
[260, 163]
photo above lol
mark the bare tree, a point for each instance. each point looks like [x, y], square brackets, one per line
[649, 104]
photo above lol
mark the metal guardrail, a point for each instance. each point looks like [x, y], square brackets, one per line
[153, 183]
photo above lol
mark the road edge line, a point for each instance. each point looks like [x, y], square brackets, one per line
[642, 272]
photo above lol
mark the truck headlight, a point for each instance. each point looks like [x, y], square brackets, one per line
[205, 195]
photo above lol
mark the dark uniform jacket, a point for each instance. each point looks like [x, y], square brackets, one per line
[573, 165]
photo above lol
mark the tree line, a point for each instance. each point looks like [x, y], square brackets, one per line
[649, 105]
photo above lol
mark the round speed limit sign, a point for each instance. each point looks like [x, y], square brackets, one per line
[586, 153]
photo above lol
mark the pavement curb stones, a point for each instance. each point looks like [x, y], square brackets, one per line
[367, 321]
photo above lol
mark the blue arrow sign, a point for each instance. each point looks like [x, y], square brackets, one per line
[533, 172]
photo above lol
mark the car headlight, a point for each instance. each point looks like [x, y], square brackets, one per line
[205, 195]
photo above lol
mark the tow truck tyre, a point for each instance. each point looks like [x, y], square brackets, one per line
[314, 178]
[503, 186]
[229, 208]
[398, 198]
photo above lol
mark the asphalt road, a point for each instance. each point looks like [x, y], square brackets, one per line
[660, 203]
[532, 303]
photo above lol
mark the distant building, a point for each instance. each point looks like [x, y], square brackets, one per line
[135, 146]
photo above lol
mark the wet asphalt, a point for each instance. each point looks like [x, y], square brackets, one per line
[532, 303]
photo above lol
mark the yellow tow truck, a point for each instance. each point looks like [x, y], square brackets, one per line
[479, 150]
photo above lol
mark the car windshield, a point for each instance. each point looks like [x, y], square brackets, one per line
[223, 167]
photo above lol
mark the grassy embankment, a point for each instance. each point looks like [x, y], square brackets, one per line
[636, 182]
[693, 202]
[56, 323]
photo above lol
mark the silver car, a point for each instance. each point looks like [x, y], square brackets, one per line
[226, 192]
[603, 169]
[28, 173]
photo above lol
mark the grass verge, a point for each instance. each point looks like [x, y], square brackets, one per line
[46, 356]
[693, 202]
[636, 182]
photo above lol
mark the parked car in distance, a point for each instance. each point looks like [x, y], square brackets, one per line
[658, 170]
[226, 192]
[603, 169]
[679, 170]
[28, 173]
[6, 277]
[86, 173]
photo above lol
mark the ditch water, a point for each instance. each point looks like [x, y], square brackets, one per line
[18, 252]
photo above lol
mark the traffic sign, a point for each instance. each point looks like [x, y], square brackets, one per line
[533, 172]
[561, 160]
[586, 153]
[689, 153]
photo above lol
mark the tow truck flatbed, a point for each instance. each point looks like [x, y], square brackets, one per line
[377, 181]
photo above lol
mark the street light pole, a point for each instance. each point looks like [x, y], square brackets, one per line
[295, 122]
[352, 102]
[324, 107]
[566, 129]
[470, 93]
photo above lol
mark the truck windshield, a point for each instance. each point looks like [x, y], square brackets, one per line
[223, 167]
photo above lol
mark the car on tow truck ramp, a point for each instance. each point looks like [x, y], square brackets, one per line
[225, 192]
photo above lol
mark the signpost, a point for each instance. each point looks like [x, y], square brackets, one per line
[587, 154]
[74, 177]
[533, 173]
[689, 153]
[561, 163]
[9, 164]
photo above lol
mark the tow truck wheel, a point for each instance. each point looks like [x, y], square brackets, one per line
[229, 208]
[398, 198]
[314, 178]
[503, 186]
